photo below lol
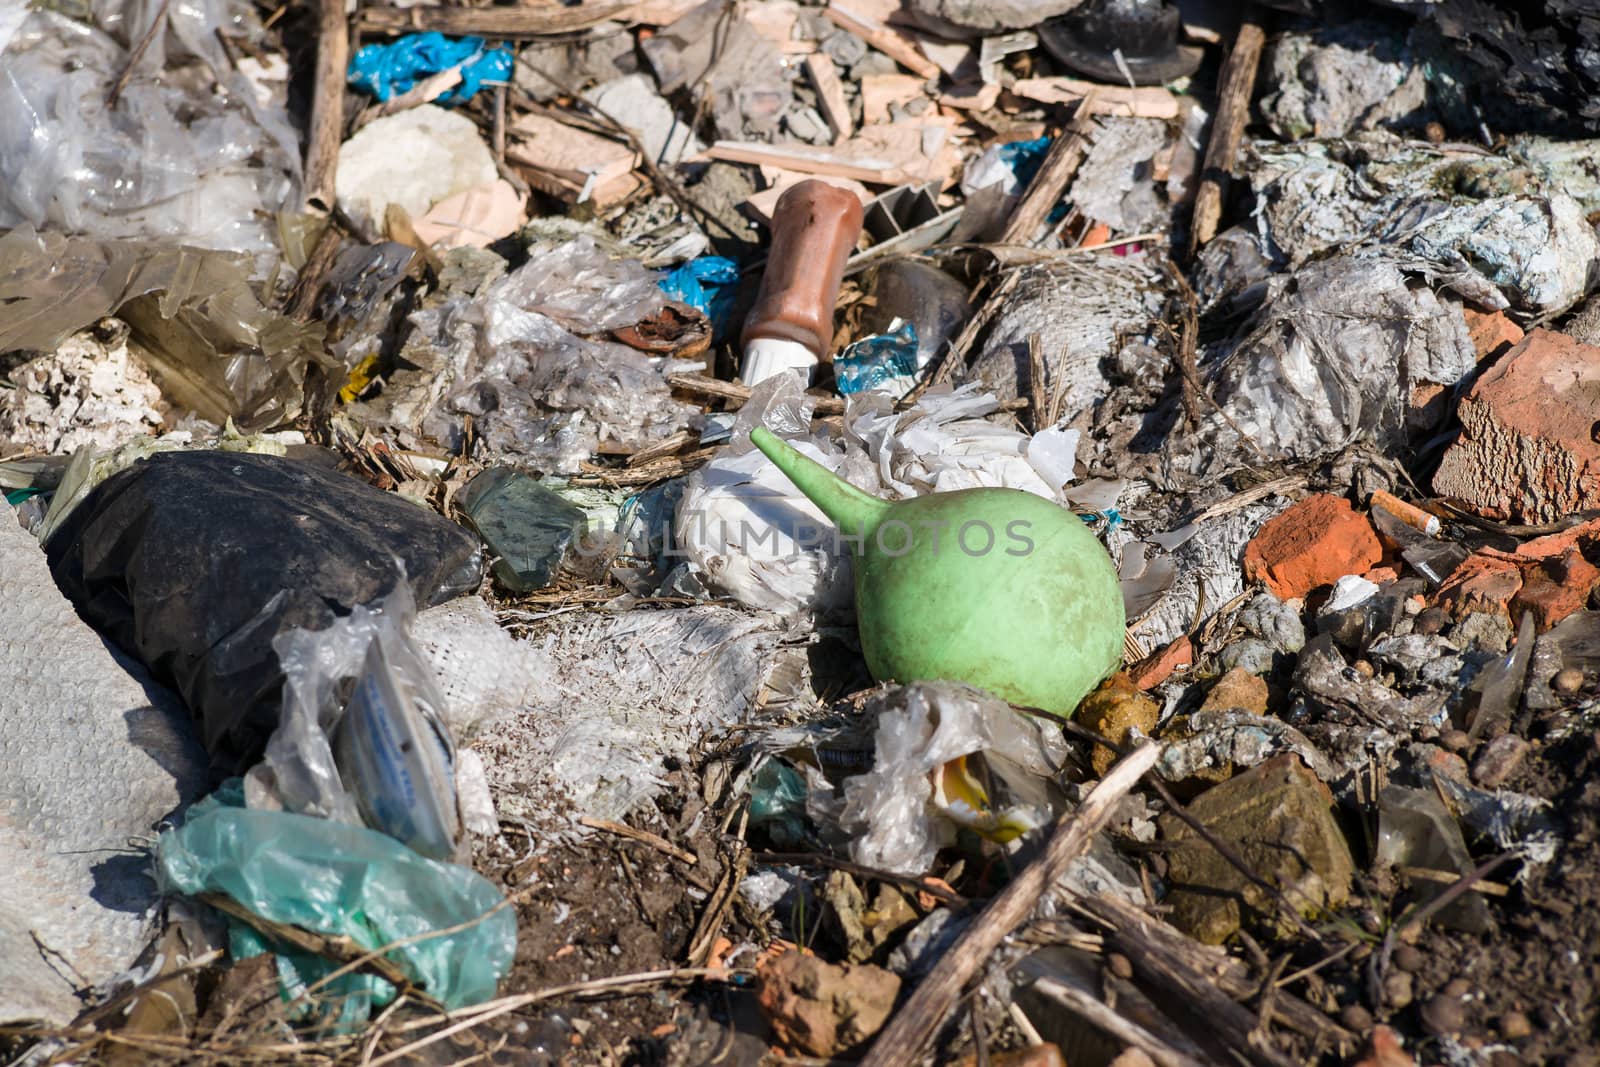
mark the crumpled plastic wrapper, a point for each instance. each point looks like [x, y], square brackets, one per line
[1498, 231]
[537, 390]
[195, 156]
[1333, 357]
[1340, 79]
[888, 812]
[211, 345]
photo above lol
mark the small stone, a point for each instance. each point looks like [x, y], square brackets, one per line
[1355, 1018]
[1457, 987]
[1385, 1050]
[1499, 760]
[1431, 621]
[1483, 630]
[1278, 817]
[1045, 1055]
[1314, 543]
[1363, 667]
[1133, 1057]
[1409, 958]
[822, 1009]
[1455, 740]
[1120, 965]
[1115, 710]
[1397, 990]
[1249, 654]
[1443, 1014]
[1274, 621]
[1514, 1026]
[1568, 682]
[1238, 689]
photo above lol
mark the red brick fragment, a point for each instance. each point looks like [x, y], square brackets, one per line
[1481, 583]
[1492, 332]
[1528, 450]
[1158, 667]
[1315, 543]
[1554, 588]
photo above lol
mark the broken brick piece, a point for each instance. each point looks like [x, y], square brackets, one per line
[1554, 588]
[824, 1009]
[1157, 668]
[1312, 544]
[1491, 331]
[1482, 583]
[1527, 451]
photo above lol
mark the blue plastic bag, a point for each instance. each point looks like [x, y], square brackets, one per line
[709, 284]
[387, 70]
[338, 879]
[873, 361]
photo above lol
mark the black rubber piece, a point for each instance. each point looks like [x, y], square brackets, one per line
[1147, 34]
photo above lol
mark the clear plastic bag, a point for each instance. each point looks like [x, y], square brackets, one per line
[212, 346]
[174, 158]
[582, 288]
[382, 756]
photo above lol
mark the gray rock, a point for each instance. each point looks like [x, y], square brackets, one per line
[1250, 654]
[1268, 617]
[990, 14]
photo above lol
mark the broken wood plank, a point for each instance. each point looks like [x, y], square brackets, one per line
[830, 95]
[971, 97]
[1066, 154]
[542, 21]
[1227, 128]
[901, 1043]
[1149, 102]
[808, 160]
[898, 46]
[327, 106]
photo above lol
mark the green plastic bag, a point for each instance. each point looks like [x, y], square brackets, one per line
[336, 879]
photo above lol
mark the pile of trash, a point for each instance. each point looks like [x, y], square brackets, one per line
[688, 532]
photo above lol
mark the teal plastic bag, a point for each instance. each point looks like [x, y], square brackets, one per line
[336, 879]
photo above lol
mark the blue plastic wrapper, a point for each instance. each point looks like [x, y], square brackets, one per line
[709, 284]
[1025, 158]
[338, 879]
[872, 361]
[387, 70]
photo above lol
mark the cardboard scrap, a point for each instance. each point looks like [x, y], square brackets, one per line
[564, 161]
[477, 217]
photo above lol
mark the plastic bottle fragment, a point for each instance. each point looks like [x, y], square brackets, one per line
[885, 361]
[387, 70]
[529, 527]
[814, 228]
[1415, 830]
[921, 294]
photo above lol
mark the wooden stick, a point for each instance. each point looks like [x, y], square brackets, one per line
[901, 1043]
[1055, 174]
[541, 21]
[1038, 413]
[327, 106]
[830, 95]
[1227, 128]
[738, 393]
[1107, 1019]
[644, 837]
[137, 54]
